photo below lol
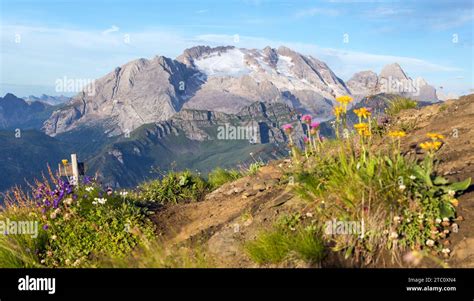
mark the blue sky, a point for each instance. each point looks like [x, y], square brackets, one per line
[42, 41]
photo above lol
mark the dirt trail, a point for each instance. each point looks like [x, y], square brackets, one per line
[229, 215]
[237, 211]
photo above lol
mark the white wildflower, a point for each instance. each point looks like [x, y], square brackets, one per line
[99, 200]
[446, 251]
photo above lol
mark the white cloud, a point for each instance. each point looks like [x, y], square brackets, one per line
[453, 21]
[113, 28]
[385, 11]
[311, 12]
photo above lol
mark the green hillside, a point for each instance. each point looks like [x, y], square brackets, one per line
[28, 156]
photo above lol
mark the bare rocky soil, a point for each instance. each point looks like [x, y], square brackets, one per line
[238, 211]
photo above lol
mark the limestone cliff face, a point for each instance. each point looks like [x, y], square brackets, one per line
[142, 91]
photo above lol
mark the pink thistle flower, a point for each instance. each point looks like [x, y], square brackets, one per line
[288, 128]
[306, 139]
[315, 125]
[306, 119]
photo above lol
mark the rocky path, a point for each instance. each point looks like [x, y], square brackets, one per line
[230, 215]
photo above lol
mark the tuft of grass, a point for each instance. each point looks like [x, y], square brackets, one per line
[153, 254]
[255, 167]
[277, 245]
[268, 247]
[20, 250]
[399, 104]
[220, 176]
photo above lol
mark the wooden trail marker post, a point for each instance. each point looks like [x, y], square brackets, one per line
[73, 169]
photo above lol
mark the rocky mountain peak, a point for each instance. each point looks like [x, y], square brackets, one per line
[189, 55]
[393, 71]
[393, 80]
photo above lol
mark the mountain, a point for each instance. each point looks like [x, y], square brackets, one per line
[17, 113]
[139, 92]
[392, 80]
[163, 113]
[223, 79]
[197, 140]
[236, 77]
[51, 100]
[25, 157]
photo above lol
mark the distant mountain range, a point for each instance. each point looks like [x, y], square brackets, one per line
[163, 113]
[17, 113]
[223, 79]
[48, 99]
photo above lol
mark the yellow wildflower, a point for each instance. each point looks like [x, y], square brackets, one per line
[435, 136]
[397, 134]
[362, 112]
[338, 110]
[345, 100]
[65, 162]
[365, 133]
[362, 129]
[455, 202]
[431, 145]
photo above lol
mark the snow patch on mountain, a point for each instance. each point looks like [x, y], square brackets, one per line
[284, 65]
[228, 63]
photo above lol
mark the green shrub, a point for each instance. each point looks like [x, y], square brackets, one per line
[220, 176]
[174, 188]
